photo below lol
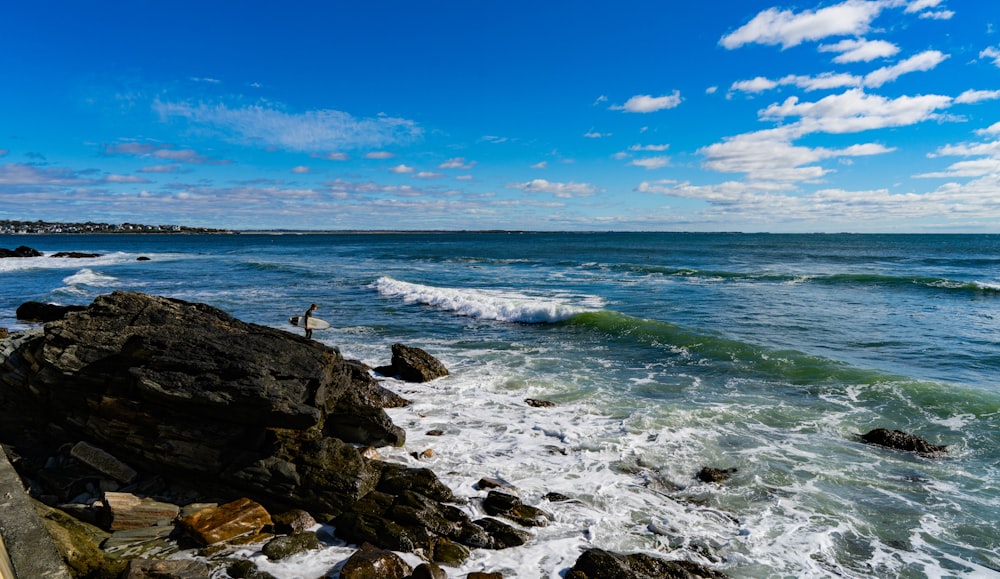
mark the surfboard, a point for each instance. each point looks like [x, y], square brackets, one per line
[314, 322]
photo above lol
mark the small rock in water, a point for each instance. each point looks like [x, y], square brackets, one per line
[538, 403]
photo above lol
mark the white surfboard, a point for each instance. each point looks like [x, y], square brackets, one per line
[314, 322]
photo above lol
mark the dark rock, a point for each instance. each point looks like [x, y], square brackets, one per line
[413, 365]
[22, 251]
[556, 497]
[246, 569]
[900, 440]
[501, 535]
[492, 483]
[482, 575]
[142, 258]
[288, 545]
[448, 552]
[75, 254]
[166, 569]
[433, 432]
[508, 506]
[601, 564]
[428, 571]
[293, 521]
[539, 403]
[41, 312]
[715, 475]
[370, 562]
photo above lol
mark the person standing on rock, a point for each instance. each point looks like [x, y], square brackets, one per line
[308, 316]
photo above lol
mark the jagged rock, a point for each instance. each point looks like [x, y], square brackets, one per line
[42, 312]
[127, 511]
[288, 545]
[510, 507]
[215, 525]
[601, 564]
[370, 562]
[900, 440]
[166, 569]
[21, 251]
[413, 365]
[75, 254]
[448, 552]
[715, 475]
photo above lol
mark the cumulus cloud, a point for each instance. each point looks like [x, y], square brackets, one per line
[650, 104]
[312, 131]
[428, 175]
[860, 50]
[561, 190]
[975, 96]
[649, 147]
[300, 169]
[787, 28]
[379, 155]
[401, 169]
[856, 110]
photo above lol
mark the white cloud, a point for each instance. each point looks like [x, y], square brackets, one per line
[649, 148]
[300, 169]
[975, 96]
[860, 50]
[754, 85]
[540, 165]
[596, 135]
[992, 53]
[651, 162]
[313, 131]
[335, 156]
[854, 111]
[401, 169]
[940, 15]
[784, 27]
[428, 175]
[650, 104]
[379, 155]
[926, 60]
[993, 129]
[918, 5]
[456, 163]
[561, 190]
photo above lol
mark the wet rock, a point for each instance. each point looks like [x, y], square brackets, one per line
[501, 535]
[900, 440]
[508, 506]
[538, 403]
[554, 497]
[413, 365]
[20, 251]
[448, 552]
[142, 258]
[287, 545]
[42, 312]
[293, 521]
[715, 475]
[75, 254]
[166, 569]
[79, 544]
[246, 569]
[103, 462]
[428, 571]
[601, 564]
[482, 575]
[370, 562]
[215, 525]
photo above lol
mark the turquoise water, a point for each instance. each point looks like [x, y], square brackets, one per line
[663, 353]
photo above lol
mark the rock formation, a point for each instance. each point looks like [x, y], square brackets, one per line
[900, 440]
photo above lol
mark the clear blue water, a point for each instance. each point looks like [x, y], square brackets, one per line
[664, 353]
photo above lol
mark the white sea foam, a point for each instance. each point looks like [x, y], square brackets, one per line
[484, 304]
[84, 280]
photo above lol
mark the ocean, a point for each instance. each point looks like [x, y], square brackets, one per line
[662, 353]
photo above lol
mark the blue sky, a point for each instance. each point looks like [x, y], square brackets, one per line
[735, 115]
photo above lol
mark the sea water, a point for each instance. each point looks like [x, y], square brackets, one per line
[662, 353]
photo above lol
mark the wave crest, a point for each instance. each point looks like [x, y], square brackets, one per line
[484, 304]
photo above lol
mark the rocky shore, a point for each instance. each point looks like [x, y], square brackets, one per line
[157, 437]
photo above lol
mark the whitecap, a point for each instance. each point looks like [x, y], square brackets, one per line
[504, 306]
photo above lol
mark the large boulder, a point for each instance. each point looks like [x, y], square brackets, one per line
[42, 312]
[21, 251]
[413, 365]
